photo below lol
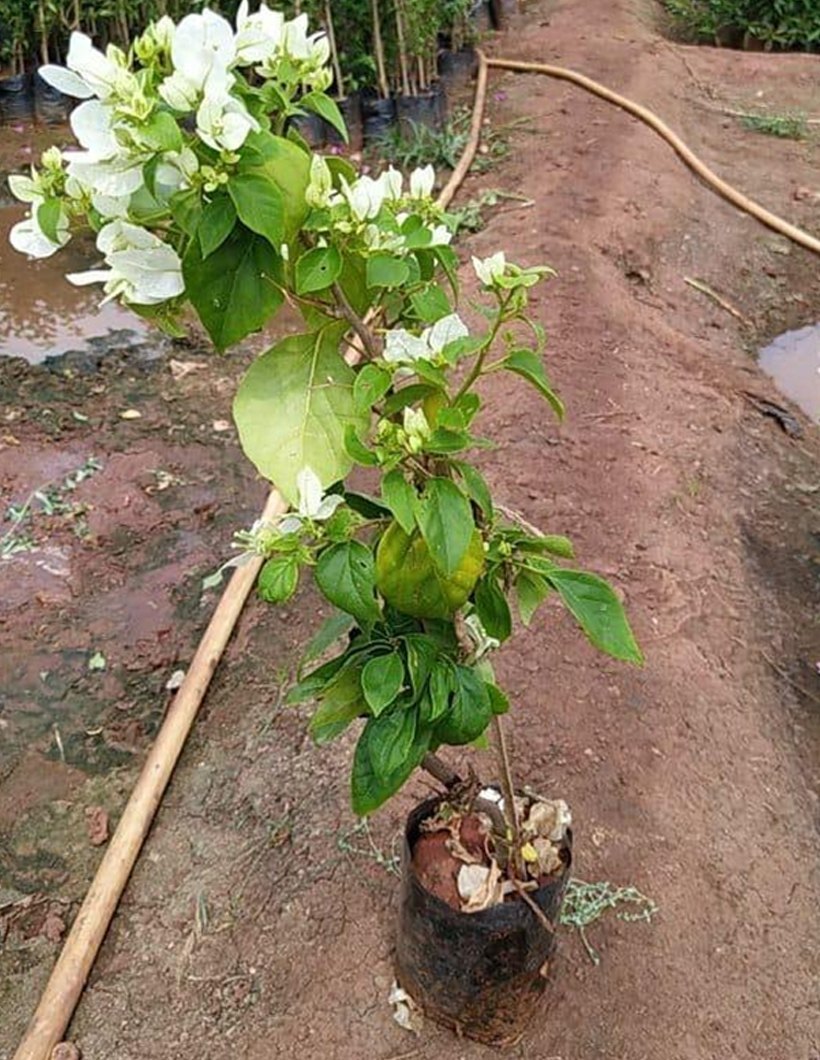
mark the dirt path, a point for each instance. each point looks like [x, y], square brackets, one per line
[258, 925]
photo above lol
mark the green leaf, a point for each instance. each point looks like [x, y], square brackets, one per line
[463, 347]
[284, 166]
[378, 747]
[390, 751]
[408, 395]
[431, 374]
[400, 498]
[555, 544]
[346, 575]
[527, 364]
[422, 653]
[431, 304]
[383, 270]
[468, 405]
[499, 703]
[443, 441]
[439, 689]
[371, 384]
[259, 205]
[186, 210]
[493, 609]
[217, 223]
[317, 269]
[341, 525]
[316, 681]
[342, 702]
[598, 611]
[448, 259]
[368, 507]
[531, 590]
[233, 289]
[470, 709]
[340, 167]
[333, 627]
[382, 680]
[326, 108]
[278, 579]
[353, 283]
[477, 488]
[48, 217]
[446, 522]
[357, 450]
[293, 408]
[161, 132]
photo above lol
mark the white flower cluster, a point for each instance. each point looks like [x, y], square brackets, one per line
[366, 196]
[313, 504]
[403, 347]
[141, 268]
[130, 117]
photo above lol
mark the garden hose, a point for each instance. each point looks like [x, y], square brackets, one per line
[69, 975]
[732, 195]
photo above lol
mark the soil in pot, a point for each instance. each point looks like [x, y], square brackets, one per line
[427, 108]
[16, 101]
[471, 952]
[378, 118]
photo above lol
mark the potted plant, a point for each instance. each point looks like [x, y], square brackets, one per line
[378, 104]
[421, 99]
[457, 58]
[199, 197]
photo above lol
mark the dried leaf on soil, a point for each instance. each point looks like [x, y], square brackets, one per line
[175, 681]
[65, 1051]
[480, 886]
[179, 369]
[53, 927]
[96, 819]
[405, 1011]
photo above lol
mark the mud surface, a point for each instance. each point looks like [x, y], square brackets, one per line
[258, 923]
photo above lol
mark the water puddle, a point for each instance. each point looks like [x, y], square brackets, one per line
[42, 315]
[793, 361]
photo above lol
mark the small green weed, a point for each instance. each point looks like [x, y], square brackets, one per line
[350, 843]
[786, 126]
[48, 500]
[424, 146]
[442, 148]
[470, 217]
[584, 903]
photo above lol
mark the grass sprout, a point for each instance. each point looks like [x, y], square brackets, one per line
[584, 903]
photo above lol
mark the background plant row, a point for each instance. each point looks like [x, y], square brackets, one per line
[37, 31]
[776, 23]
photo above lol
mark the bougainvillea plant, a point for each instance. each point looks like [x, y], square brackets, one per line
[201, 193]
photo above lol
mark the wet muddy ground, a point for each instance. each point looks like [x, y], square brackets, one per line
[259, 920]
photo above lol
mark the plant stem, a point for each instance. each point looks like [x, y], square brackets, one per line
[361, 329]
[433, 765]
[476, 370]
[439, 769]
[517, 517]
[510, 811]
